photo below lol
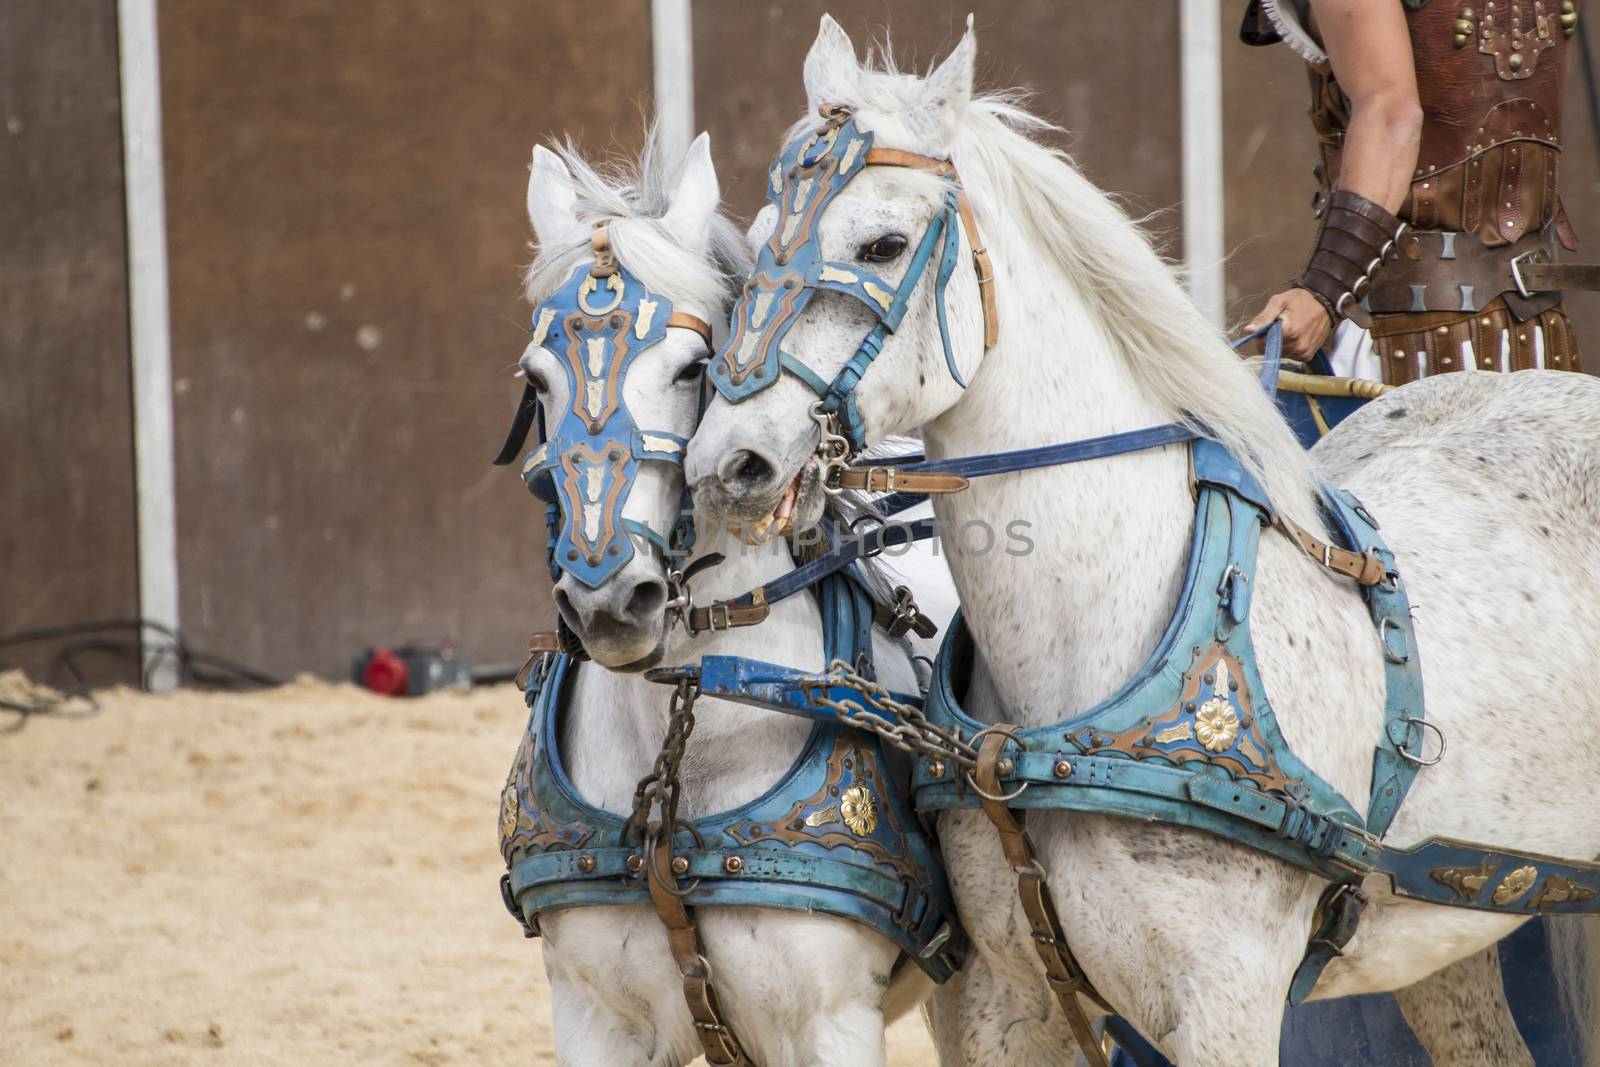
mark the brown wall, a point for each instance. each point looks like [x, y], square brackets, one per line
[67, 547]
[1114, 91]
[345, 195]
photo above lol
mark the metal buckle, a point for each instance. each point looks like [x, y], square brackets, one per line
[1516, 271]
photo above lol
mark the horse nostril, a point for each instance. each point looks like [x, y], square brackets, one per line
[648, 598]
[743, 470]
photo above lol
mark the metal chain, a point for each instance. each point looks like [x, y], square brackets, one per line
[900, 724]
[661, 787]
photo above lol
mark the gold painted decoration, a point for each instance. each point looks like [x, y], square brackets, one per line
[535, 458]
[859, 809]
[590, 284]
[656, 443]
[823, 817]
[1216, 724]
[508, 813]
[647, 312]
[541, 328]
[1251, 752]
[1182, 732]
[1516, 883]
[1559, 890]
[879, 295]
[851, 150]
[834, 274]
[1465, 881]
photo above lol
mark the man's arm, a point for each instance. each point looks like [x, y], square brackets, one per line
[1369, 47]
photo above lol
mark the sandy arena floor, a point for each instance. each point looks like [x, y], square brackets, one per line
[303, 876]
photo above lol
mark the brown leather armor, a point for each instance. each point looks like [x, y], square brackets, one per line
[1490, 78]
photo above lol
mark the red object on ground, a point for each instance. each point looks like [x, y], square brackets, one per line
[385, 673]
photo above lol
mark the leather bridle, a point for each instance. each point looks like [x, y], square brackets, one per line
[597, 324]
[791, 268]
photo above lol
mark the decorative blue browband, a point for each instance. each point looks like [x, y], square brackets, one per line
[835, 835]
[790, 268]
[1192, 740]
[597, 324]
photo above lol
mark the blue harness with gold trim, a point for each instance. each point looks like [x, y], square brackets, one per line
[836, 834]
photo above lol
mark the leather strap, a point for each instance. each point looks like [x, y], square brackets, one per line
[896, 480]
[605, 261]
[1547, 277]
[725, 615]
[1061, 970]
[1364, 567]
[894, 157]
[690, 322]
[721, 1047]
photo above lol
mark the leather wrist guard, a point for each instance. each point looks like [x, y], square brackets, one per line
[1356, 234]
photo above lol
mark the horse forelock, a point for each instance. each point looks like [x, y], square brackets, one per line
[633, 195]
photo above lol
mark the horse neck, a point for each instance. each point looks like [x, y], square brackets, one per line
[735, 753]
[1064, 625]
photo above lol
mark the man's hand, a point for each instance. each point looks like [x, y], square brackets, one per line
[1306, 326]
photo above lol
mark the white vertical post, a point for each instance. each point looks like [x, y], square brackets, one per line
[149, 329]
[672, 54]
[1201, 46]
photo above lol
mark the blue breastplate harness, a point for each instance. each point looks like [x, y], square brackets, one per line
[1192, 740]
[836, 834]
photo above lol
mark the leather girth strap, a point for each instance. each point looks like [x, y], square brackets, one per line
[894, 157]
[895, 480]
[1364, 567]
[1061, 970]
[721, 1047]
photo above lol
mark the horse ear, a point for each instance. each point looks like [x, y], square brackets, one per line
[694, 201]
[552, 204]
[947, 91]
[760, 231]
[830, 71]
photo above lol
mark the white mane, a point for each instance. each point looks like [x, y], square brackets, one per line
[1173, 353]
[634, 196]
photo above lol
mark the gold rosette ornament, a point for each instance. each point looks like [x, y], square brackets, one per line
[1216, 724]
[859, 809]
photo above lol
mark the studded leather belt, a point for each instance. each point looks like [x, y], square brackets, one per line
[1431, 270]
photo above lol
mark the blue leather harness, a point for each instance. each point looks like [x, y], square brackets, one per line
[836, 834]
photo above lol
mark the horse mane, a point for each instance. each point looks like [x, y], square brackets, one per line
[1171, 351]
[633, 195]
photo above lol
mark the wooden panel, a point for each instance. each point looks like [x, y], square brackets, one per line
[1270, 151]
[1109, 77]
[67, 545]
[346, 213]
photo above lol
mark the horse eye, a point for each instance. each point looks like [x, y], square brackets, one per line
[691, 372]
[882, 249]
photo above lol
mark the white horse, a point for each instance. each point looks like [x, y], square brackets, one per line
[1488, 488]
[798, 989]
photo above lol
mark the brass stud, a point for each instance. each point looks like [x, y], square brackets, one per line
[586, 864]
[1442, 331]
[733, 864]
[1004, 766]
[1063, 769]
[1485, 321]
[1447, 361]
[936, 768]
[634, 863]
[1515, 62]
[680, 865]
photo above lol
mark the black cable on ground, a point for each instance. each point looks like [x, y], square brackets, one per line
[158, 644]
